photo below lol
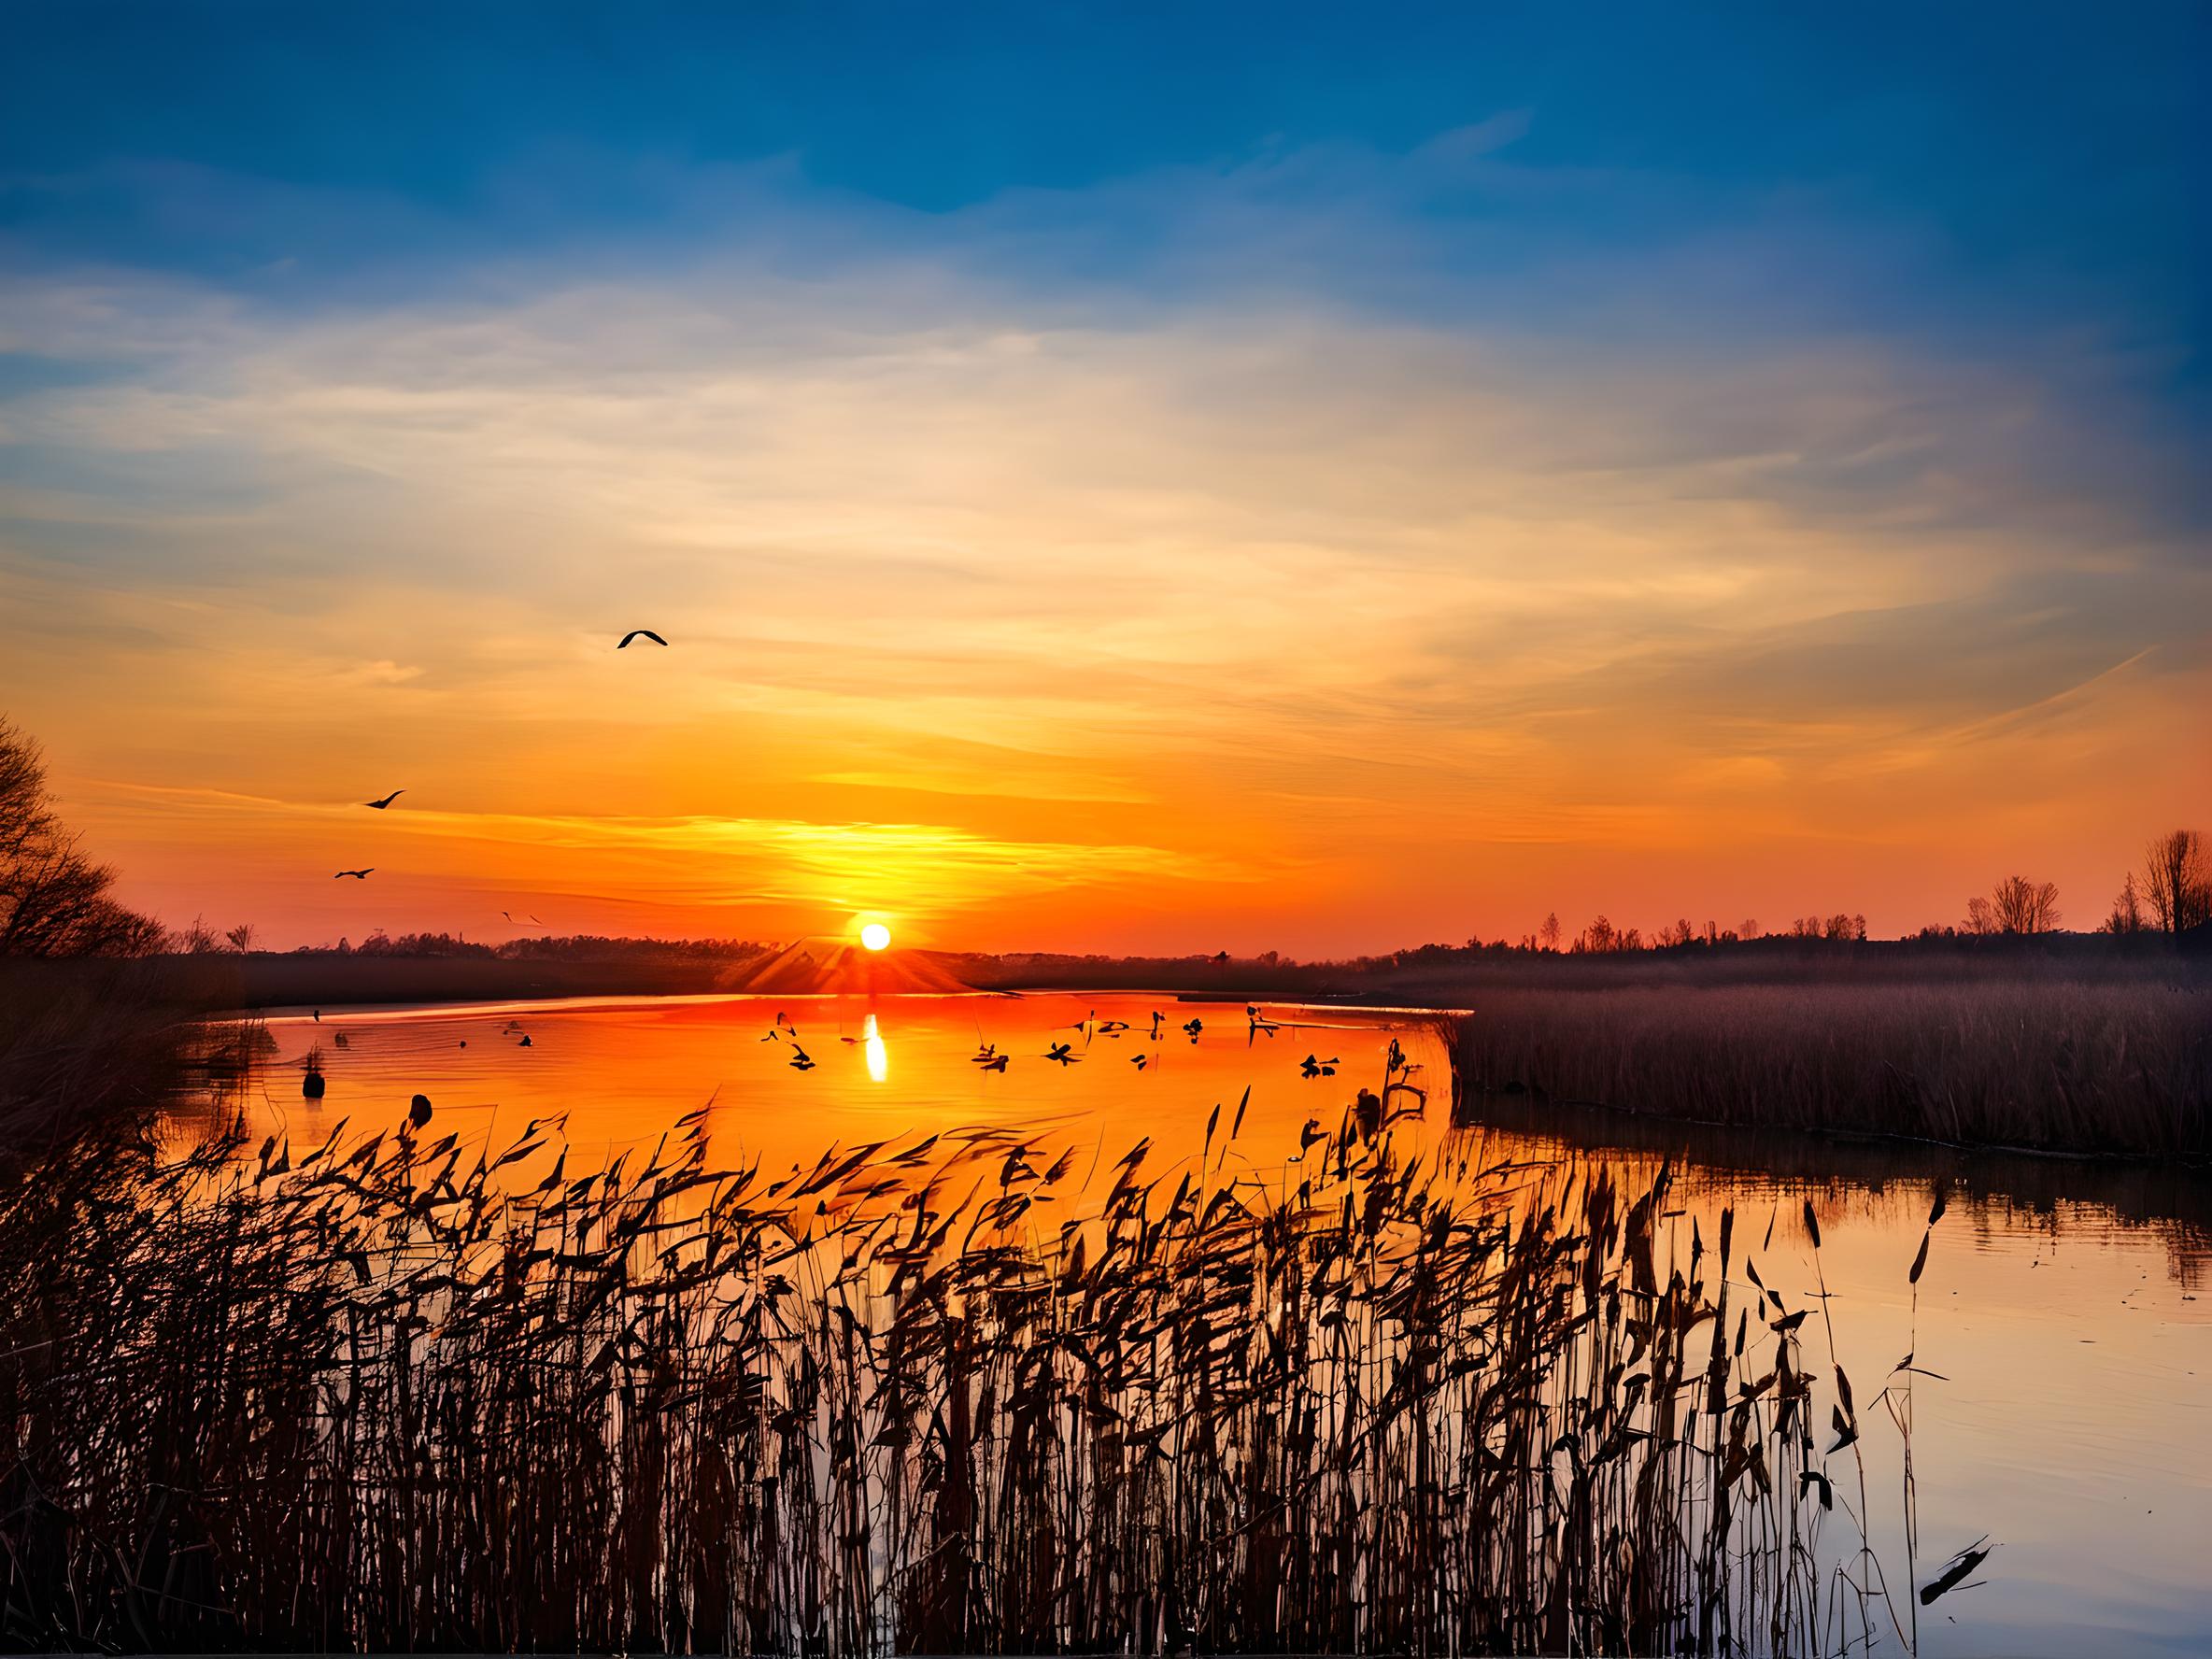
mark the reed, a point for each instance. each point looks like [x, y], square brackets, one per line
[2055, 1065]
[392, 1392]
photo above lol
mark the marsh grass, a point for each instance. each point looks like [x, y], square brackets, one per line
[2059, 1066]
[392, 1392]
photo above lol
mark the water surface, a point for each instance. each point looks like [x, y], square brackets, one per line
[2061, 1302]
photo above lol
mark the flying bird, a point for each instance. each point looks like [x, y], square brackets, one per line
[357, 874]
[996, 1063]
[1064, 1053]
[641, 633]
[380, 806]
[800, 1060]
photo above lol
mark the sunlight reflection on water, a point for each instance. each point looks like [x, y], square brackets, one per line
[2060, 1301]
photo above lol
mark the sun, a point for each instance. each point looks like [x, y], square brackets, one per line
[875, 936]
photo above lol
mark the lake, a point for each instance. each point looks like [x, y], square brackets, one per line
[2061, 1301]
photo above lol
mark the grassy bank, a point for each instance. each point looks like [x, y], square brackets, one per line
[389, 1394]
[2053, 1064]
[86, 1044]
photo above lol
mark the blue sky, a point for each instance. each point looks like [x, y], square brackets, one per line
[2051, 151]
[1792, 404]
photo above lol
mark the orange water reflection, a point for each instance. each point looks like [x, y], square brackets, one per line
[2060, 1300]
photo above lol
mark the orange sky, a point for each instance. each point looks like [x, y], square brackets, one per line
[1288, 632]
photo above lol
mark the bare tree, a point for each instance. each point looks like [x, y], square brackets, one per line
[2015, 905]
[241, 937]
[2127, 909]
[1548, 933]
[54, 901]
[2177, 881]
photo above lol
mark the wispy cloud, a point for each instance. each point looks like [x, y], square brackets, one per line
[1282, 541]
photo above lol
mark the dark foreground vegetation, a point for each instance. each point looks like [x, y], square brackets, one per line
[392, 1393]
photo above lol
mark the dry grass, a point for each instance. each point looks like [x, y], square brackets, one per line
[2056, 1064]
[100, 1043]
[393, 1393]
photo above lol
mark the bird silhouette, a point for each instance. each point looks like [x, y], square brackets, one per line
[357, 874]
[800, 1060]
[1064, 1053]
[380, 806]
[1139, 1060]
[1192, 1027]
[996, 1063]
[419, 1110]
[641, 633]
[524, 1043]
[1311, 1067]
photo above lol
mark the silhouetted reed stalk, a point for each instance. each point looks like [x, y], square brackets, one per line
[392, 1393]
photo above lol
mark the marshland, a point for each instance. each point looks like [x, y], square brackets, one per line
[637, 1338]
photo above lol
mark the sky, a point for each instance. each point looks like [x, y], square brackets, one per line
[1178, 478]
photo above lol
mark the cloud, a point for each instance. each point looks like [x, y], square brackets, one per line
[1263, 543]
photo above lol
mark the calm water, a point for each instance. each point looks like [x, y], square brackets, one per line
[2061, 1302]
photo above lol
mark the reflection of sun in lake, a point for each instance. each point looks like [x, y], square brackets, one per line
[872, 1043]
[875, 936]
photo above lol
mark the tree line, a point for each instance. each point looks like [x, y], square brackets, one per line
[55, 901]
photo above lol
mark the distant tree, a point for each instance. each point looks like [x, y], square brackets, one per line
[2127, 909]
[1750, 929]
[54, 901]
[195, 939]
[2177, 881]
[1681, 933]
[241, 937]
[1599, 937]
[1549, 932]
[2015, 905]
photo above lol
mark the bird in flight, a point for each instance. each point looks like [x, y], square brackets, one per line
[800, 1060]
[641, 633]
[1064, 1053]
[357, 874]
[380, 806]
[996, 1063]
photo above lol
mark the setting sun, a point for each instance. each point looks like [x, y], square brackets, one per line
[875, 936]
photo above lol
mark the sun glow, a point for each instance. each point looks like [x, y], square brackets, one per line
[875, 936]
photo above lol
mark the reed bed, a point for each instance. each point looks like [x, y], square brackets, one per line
[393, 1392]
[2055, 1066]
